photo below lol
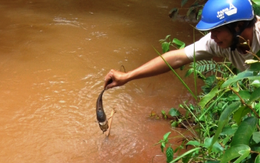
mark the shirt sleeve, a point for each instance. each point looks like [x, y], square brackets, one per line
[202, 49]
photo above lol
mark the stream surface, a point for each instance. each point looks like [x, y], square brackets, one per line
[54, 55]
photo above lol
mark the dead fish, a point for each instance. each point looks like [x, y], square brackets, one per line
[101, 115]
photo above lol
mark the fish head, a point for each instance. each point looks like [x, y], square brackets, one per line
[103, 126]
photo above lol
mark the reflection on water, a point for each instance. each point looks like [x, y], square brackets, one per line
[54, 56]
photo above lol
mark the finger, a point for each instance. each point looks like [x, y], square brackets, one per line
[109, 84]
[109, 79]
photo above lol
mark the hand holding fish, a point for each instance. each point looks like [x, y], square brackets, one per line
[115, 78]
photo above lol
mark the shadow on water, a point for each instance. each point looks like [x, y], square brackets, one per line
[54, 56]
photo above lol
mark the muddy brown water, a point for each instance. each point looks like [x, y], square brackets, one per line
[54, 55]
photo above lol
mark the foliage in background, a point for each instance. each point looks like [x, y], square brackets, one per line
[224, 125]
[229, 106]
[166, 43]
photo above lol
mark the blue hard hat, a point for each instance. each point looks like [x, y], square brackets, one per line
[221, 12]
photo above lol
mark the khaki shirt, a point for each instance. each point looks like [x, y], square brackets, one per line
[206, 48]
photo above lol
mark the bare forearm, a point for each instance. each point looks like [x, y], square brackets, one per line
[157, 65]
[154, 67]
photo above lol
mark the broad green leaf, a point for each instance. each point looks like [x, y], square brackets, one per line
[207, 142]
[165, 47]
[252, 78]
[240, 113]
[179, 43]
[256, 83]
[174, 112]
[244, 131]
[254, 66]
[244, 154]
[163, 112]
[164, 141]
[165, 137]
[190, 71]
[193, 143]
[169, 154]
[233, 97]
[257, 2]
[216, 147]
[162, 146]
[235, 78]
[229, 130]
[174, 124]
[226, 140]
[256, 137]
[256, 9]
[257, 107]
[257, 159]
[244, 94]
[223, 119]
[255, 95]
[205, 99]
[233, 152]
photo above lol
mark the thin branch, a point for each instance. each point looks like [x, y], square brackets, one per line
[185, 137]
[250, 48]
[244, 103]
[228, 68]
[253, 54]
[255, 152]
[190, 128]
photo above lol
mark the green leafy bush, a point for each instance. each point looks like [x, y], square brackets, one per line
[226, 117]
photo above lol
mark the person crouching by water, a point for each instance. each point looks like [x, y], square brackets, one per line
[225, 21]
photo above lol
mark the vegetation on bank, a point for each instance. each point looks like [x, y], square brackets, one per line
[224, 124]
